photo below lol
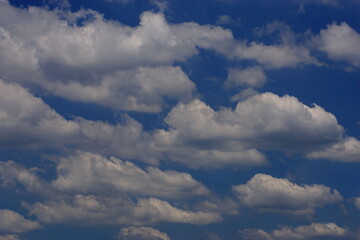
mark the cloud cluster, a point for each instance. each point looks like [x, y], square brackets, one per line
[198, 136]
[92, 173]
[311, 231]
[275, 194]
[142, 233]
[12, 222]
[93, 210]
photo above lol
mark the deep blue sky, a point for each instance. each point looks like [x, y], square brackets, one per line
[150, 119]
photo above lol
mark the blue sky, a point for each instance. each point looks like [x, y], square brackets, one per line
[159, 120]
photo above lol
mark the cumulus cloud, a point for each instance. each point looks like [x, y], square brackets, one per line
[142, 233]
[142, 89]
[340, 42]
[276, 194]
[12, 222]
[264, 121]
[92, 210]
[197, 136]
[101, 60]
[26, 120]
[296, 233]
[92, 173]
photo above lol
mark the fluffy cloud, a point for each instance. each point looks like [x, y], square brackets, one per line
[90, 210]
[276, 194]
[100, 60]
[142, 89]
[197, 136]
[28, 121]
[296, 233]
[12, 222]
[265, 121]
[92, 173]
[340, 42]
[142, 233]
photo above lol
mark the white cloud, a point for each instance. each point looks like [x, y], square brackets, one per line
[296, 233]
[273, 56]
[9, 237]
[347, 150]
[12, 173]
[357, 202]
[12, 222]
[101, 60]
[249, 77]
[276, 194]
[197, 136]
[91, 173]
[142, 233]
[340, 42]
[28, 121]
[202, 137]
[92, 210]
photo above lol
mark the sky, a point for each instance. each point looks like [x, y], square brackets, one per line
[179, 119]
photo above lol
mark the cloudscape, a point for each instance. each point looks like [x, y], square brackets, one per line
[172, 120]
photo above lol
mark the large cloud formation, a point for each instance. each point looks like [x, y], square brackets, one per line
[275, 194]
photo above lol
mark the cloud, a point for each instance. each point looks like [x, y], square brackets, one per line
[227, 20]
[142, 89]
[249, 77]
[340, 42]
[347, 150]
[273, 56]
[26, 120]
[296, 233]
[12, 222]
[9, 237]
[244, 94]
[202, 137]
[275, 194]
[12, 174]
[92, 173]
[142, 233]
[92, 210]
[357, 202]
[100, 60]
[197, 135]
